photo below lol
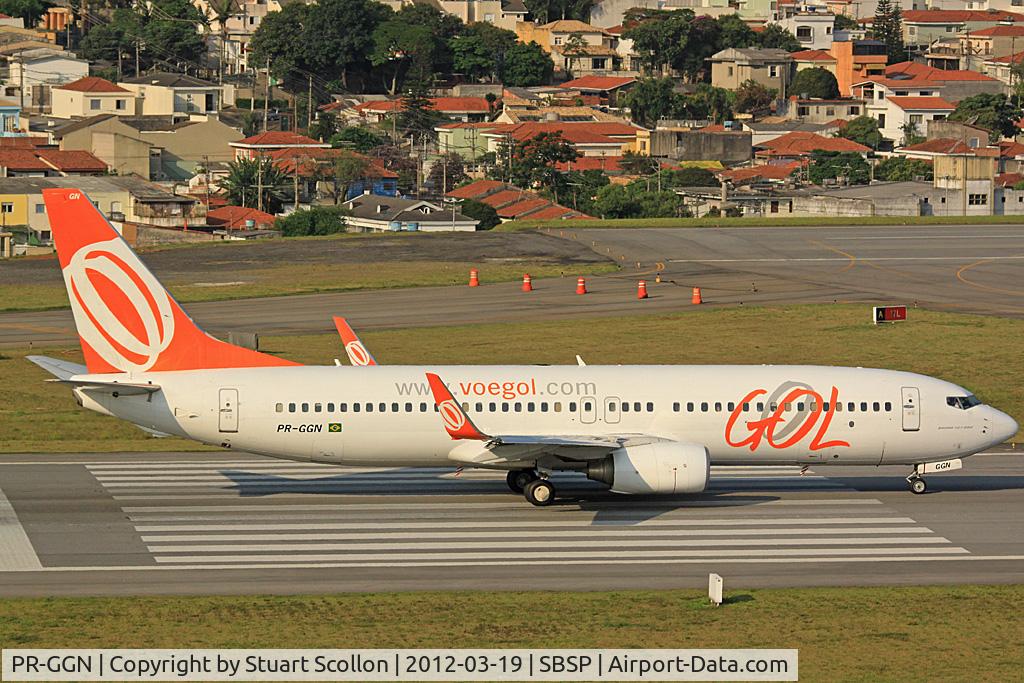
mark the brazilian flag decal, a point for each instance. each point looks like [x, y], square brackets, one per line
[334, 426]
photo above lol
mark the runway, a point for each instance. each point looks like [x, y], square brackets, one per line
[204, 523]
[962, 268]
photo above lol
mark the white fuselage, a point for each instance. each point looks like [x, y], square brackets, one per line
[310, 413]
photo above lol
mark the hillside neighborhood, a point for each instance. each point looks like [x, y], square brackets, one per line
[249, 119]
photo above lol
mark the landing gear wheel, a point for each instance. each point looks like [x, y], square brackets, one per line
[518, 479]
[539, 492]
[918, 485]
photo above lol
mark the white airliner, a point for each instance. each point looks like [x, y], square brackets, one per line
[639, 429]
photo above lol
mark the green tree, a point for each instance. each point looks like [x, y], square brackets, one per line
[544, 11]
[735, 32]
[170, 32]
[447, 173]
[848, 167]
[754, 98]
[479, 51]
[888, 28]
[690, 176]
[347, 168]
[106, 41]
[635, 201]
[574, 48]
[359, 138]
[535, 160]
[582, 189]
[651, 99]
[711, 102]
[525, 65]
[399, 47]
[992, 112]
[775, 36]
[319, 220]
[324, 127]
[899, 169]
[911, 133]
[638, 164]
[250, 179]
[418, 117]
[816, 82]
[484, 213]
[29, 10]
[845, 23]
[660, 38]
[864, 130]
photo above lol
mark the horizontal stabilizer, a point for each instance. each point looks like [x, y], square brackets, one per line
[121, 388]
[58, 368]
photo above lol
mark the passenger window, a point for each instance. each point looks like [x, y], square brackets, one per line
[436, 409]
[839, 407]
[504, 407]
[342, 407]
[369, 407]
[650, 407]
[814, 406]
[774, 406]
[479, 407]
[888, 407]
[543, 406]
[493, 407]
[558, 406]
[730, 406]
[382, 407]
[625, 407]
[851, 406]
[824, 406]
[689, 407]
[423, 407]
[746, 407]
[305, 407]
[356, 407]
[703, 407]
[636, 407]
[330, 407]
[465, 406]
[408, 407]
[863, 407]
[588, 406]
[394, 407]
[675, 406]
[787, 406]
[718, 407]
[800, 407]
[760, 407]
[518, 407]
[530, 407]
[279, 407]
[572, 406]
[291, 407]
[875, 406]
[318, 407]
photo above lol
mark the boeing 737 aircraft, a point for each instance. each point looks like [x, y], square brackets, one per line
[638, 429]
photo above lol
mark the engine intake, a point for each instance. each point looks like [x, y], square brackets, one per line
[660, 467]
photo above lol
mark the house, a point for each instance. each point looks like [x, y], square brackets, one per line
[956, 84]
[513, 203]
[823, 111]
[239, 218]
[369, 213]
[857, 60]
[313, 169]
[465, 138]
[603, 90]
[170, 94]
[91, 96]
[923, 27]
[587, 138]
[765, 131]
[272, 141]
[40, 69]
[905, 116]
[732, 67]
[814, 59]
[466, 109]
[678, 142]
[813, 29]
[10, 119]
[930, 149]
[1001, 68]
[798, 145]
[771, 173]
[238, 31]
[501, 13]
[48, 162]
[595, 53]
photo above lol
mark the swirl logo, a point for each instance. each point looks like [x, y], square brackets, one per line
[357, 353]
[453, 418]
[102, 284]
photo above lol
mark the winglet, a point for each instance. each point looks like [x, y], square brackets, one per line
[357, 353]
[456, 422]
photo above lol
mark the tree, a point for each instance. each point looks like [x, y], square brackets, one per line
[29, 10]
[249, 179]
[754, 98]
[651, 99]
[845, 23]
[397, 160]
[170, 32]
[711, 102]
[690, 176]
[775, 36]
[864, 130]
[660, 38]
[544, 11]
[734, 32]
[584, 186]
[447, 173]
[347, 168]
[319, 220]
[635, 201]
[418, 117]
[575, 47]
[324, 127]
[899, 169]
[911, 133]
[479, 51]
[638, 164]
[106, 42]
[359, 138]
[534, 161]
[525, 65]
[992, 112]
[484, 213]
[888, 28]
[849, 167]
[817, 82]
[399, 47]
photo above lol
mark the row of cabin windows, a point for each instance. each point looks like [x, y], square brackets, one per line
[851, 407]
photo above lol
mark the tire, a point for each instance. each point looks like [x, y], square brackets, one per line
[518, 479]
[918, 486]
[540, 492]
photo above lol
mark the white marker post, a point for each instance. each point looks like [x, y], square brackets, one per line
[715, 589]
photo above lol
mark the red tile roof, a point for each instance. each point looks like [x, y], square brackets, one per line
[504, 197]
[812, 56]
[1010, 149]
[234, 217]
[926, 103]
[23, 142]
[22, 160]
[91, 84]
[1008, 179]
[1015, 58]
[928, 73]
[277, 138]
[946, 16]
[73, 160]
[939, 146]
[550, 213]
[310, 159]
[763, 172]
[606, 163]
[802, 143]
[523, 207]
[456, 105]
[475, 189]
[598, 82]
[1001, 30]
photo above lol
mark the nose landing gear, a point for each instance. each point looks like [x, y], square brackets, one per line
[917, 483]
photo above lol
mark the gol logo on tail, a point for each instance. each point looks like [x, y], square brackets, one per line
[357, 353]
[452, 416]
[765, 429]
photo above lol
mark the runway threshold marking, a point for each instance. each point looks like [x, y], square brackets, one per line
[16, 551]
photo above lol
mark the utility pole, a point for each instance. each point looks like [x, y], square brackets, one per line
[21, 77]
[295, 169]
[206, 165]
[309, 106]
[136, 56]
[266, 98]
[259, 183]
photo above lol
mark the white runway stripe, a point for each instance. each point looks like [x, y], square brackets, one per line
[556, 555]
[16, 550]
[530, 524]
[596, 531]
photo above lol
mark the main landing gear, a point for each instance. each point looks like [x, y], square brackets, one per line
[537, 490]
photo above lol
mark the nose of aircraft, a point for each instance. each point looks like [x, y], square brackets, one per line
[1003, 426]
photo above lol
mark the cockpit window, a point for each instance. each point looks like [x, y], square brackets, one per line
[963, 402]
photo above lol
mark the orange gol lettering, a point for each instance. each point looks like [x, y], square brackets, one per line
[765, 428]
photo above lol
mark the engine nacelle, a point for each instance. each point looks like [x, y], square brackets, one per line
[660, 467]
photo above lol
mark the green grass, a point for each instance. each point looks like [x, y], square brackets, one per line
[964, 633]
[982, 353]
[291, 279]
[756, 221]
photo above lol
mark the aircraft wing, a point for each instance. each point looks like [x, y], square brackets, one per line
[483, 449]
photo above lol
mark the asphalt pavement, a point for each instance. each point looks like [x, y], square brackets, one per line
[974, 269]
[210, 523]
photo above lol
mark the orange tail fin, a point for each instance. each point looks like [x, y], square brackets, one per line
[354, 347]
[126, 320]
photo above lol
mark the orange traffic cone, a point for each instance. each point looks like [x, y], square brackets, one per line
[696, 296]
[527, 283]
[641, 289]
[581, 286]
[474, 278]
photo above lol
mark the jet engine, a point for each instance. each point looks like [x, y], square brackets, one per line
[660, 467]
